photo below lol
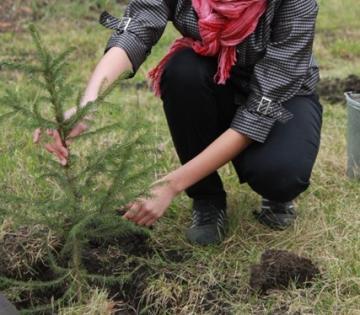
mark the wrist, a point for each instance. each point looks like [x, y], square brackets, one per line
[87, 99]
[172, 184]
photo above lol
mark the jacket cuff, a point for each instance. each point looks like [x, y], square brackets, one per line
[267, 107]
[255, 126]
[134, 48]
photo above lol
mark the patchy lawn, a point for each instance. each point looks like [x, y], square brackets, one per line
[179, 278]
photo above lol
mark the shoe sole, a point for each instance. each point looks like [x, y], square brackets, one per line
[272, 223]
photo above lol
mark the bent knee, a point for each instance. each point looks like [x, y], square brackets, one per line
[281, 183]
[186, 69]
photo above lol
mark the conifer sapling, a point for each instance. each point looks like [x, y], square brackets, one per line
[80, 200]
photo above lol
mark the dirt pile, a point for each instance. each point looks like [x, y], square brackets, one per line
[332, 90]
[22, 251]
[133, 257]
[128, 257]
[23, 257]
[278, 268]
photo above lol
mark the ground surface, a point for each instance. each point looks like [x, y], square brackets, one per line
[211, 280]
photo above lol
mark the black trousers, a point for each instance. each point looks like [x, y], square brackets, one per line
[198, 111]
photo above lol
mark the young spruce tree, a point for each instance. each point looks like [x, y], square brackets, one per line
[82, 198]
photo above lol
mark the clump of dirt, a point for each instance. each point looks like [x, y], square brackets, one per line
[23, 250]
[124, 257]
[23, 257]
[332, 90]
[175, 255]
[24, 253]
[278, 268]
[131, 258]
[107, 258]
[212, 302]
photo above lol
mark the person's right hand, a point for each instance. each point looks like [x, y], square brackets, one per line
[60, 147]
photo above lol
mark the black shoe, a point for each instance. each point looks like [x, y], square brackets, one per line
[276, 215]
[209, 223]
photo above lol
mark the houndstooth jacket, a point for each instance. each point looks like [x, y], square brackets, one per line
[274, 63]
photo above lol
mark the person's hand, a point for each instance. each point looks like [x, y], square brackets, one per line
[146, 211]
[58, 147]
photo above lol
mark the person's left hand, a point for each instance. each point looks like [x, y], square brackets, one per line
[146, 211]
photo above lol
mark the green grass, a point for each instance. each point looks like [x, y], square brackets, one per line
[337, 44]
[327, 229]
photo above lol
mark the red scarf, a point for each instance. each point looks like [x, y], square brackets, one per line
[223, 24]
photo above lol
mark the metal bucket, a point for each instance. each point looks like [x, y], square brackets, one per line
[353, 134]
[6, 308]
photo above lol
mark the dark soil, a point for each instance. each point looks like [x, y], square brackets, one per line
[125, 255]
[114, 260]
[278, 268]
[118, 257]
[212, 303]
[131, 255]
[22, 251]
[23, 257]
[175, 255]
[332, 90]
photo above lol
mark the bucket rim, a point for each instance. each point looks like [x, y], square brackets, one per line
[351, 101]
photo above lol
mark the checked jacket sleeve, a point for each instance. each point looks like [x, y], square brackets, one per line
[281, 72]
[140, 28]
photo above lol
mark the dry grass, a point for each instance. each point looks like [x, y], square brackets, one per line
[98, 304]
[24, 248]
